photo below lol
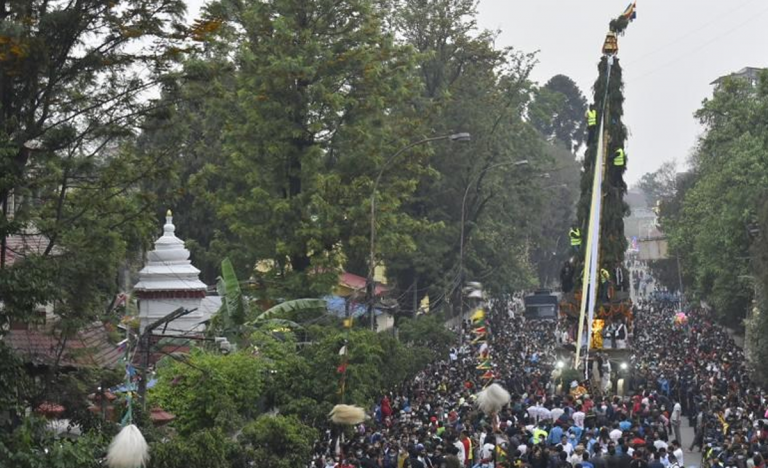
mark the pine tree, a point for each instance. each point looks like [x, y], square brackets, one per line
[320, 102]
[610, 100]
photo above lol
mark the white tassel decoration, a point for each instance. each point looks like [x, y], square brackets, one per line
[492, 399]
[128, 449]
[347, 414]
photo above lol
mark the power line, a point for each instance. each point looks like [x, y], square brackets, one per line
[691, 32]
[700, 47]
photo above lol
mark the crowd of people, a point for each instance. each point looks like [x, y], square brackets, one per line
[698, 364]
[678, 372]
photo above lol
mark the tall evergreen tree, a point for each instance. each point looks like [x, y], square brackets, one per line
[318, 106]
[469, 85]
[613, 243]
[198, 106]
[558, 112]
[757, 318]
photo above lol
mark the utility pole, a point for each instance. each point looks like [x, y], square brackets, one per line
[370, 281]
[145, 340]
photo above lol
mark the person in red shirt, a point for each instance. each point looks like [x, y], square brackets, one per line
[386, 408]
[588, 404]
[468, 449]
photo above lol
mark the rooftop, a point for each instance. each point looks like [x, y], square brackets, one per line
[749, 73]
[357, 283]
[19, 246]
[90, 347]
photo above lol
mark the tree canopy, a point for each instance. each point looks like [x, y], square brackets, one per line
[76, 84]
[558, 112]
[268, 128]
[708, 221]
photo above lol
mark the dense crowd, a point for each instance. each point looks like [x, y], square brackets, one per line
[683, 371]
[698, 364]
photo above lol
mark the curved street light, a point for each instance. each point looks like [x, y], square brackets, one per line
[523, 162]
[370, 285]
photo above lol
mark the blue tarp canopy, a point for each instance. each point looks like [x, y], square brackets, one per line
[337, 307]
[133, 387]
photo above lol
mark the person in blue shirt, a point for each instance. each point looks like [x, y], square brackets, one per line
[624, 425]
[575, 432]
[555, 435]
[585, 463]
[591, 441]
[663, 385]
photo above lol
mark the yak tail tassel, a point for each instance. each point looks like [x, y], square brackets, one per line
[128, 449]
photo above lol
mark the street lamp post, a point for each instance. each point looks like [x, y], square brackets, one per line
[370, 285]
[522, 162]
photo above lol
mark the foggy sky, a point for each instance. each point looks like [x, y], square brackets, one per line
[670, 54]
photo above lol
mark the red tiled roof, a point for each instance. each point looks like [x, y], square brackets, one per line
[356, 282]
[90, 347]
[160, 417]
[50, 409]
[19, 246]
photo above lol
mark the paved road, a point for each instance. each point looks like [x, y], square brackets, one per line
[690, 458]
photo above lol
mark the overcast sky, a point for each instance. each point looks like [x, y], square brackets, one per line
[670, 54]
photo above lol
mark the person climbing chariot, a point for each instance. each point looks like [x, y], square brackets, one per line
[591, 116]
[575, 235]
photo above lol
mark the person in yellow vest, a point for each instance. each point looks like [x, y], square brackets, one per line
[619, 158]
[618, 165]
[591, 116]
[604, 276]
[539, 434]
[605, 283]
[575, 235]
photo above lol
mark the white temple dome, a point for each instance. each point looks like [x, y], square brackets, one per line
[168, 267]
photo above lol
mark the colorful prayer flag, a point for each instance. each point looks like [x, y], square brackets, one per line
[478, 315]
[485, 365]
[630, 12]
